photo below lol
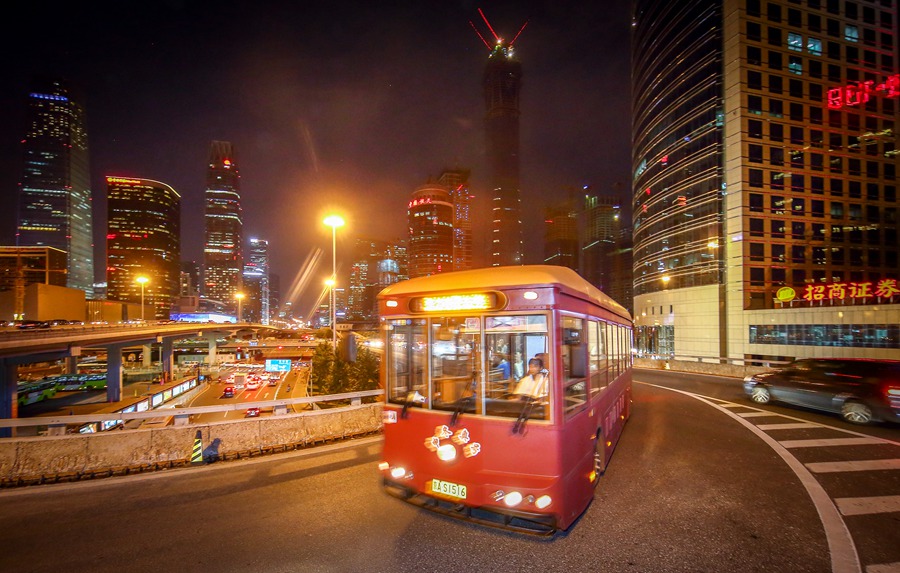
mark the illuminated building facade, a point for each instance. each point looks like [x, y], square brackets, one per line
[54, 195]
[501, 83]
[606, 254]
[457, 181]
[376, 265]
[222, 253]
[764, 178]
[256, 307]
[143, 240]
[430, 216]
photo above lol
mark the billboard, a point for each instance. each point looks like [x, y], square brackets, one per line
[278, 365]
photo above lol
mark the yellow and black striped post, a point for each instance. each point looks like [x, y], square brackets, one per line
[197, 453]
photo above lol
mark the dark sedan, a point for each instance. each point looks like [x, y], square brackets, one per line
[860, 390]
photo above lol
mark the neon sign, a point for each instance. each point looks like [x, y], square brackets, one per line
[475, 301]
[860, 93]
[884, 288]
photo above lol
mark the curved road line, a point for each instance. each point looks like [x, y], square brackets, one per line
[844, 558]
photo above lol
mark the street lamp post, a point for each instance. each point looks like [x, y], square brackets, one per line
[333, 221]
[240, 298]
[142, 280]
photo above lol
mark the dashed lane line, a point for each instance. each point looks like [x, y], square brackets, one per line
[788, 426]
[854, 466]
[868, 505]
[831, 442]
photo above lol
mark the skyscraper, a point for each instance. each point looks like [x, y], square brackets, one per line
[765, 196]
[256, 271]
[143, 240]
[54, 195]
[223, 258]
[561, 235]
[457, 181]
[430, 216]
[501, 82]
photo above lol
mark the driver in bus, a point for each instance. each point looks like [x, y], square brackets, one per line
[534, 384]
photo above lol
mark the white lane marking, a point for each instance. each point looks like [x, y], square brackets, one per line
[830, 442]
[854, 466]
[868, 505]
[733, 405]
[844, 558]
[759, 414]
[788, 426]
[884, 568]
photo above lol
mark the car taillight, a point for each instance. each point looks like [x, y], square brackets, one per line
[892, 393]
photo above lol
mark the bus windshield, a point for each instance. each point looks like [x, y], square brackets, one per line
[473, 364]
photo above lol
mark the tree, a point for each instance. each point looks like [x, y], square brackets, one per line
[322, 361]
[364, 372]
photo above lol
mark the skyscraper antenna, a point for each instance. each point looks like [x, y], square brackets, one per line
[517, 34]
[483, 17]
[479, 35]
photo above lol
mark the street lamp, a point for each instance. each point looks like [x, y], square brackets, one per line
[333, 221]
[143, 280]
[240, 297]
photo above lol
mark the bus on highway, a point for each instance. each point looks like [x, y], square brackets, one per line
[35, 392]
[506, 391]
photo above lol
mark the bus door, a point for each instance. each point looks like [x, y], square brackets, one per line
[580, 419]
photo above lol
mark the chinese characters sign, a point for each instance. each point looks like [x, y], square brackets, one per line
[881, 289]
[860, 93]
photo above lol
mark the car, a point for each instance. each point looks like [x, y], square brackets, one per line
[30, 324]
[253, 385]
[861, 390]
[252, 412]
[228, 392]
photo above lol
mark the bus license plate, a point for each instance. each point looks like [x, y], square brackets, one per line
[448, 488]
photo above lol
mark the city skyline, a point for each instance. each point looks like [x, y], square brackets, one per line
[346, 118]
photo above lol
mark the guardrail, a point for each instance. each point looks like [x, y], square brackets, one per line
[721, 366]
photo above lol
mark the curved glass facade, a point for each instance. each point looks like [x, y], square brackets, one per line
[677, 136]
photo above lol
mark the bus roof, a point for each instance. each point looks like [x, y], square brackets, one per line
[506, 277]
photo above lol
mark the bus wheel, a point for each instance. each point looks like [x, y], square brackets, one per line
[599, 456]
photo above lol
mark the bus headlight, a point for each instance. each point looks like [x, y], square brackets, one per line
[398, 472]
[512, 499]
[447, 452]
[542, 502]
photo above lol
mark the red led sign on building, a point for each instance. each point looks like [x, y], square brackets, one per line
[860, 93]
[883, 288]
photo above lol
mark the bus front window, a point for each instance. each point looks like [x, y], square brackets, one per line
[405, 344]
[454, 363]
[513, 388]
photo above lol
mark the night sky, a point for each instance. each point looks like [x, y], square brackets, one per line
[343, 105]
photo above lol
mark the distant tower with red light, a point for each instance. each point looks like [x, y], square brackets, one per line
[501, 82]
[222, 255]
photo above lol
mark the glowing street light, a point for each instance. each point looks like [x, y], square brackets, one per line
[142, 280]
[333, 221]
[240, 298]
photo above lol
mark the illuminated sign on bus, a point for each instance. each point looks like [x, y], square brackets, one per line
[456, 302]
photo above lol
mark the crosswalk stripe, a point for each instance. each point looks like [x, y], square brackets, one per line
[868, 505]
[830, 442]
[788, 426]
[884, 568]
[853, 466]
[755, 414]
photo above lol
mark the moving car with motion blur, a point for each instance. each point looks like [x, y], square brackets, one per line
[228, 392]
[861, 390]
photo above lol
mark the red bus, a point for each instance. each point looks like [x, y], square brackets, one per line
[474, 427]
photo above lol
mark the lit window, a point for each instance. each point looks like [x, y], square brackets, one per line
[814, 46]
[795, 65]
[851, 33]
[795, 42]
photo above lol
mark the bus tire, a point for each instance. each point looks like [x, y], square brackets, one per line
[599, 456]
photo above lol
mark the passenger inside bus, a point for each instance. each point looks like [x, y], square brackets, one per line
[534, 385]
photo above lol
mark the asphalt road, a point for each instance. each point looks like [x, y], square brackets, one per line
[689, 489]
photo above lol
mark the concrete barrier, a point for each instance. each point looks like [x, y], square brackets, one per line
[39, 459]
